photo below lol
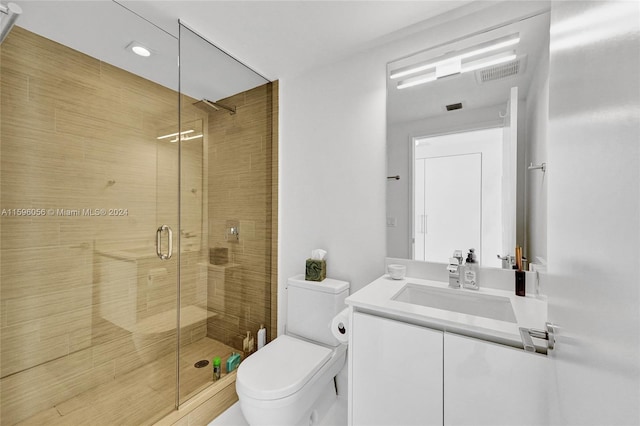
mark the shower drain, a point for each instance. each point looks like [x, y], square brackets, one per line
[201, 363]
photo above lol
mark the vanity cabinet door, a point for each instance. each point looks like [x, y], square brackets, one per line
[396, 373]
[491, 384]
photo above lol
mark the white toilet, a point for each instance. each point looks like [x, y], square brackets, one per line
[290, 380]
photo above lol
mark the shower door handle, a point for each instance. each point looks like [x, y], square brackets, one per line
[169, 253]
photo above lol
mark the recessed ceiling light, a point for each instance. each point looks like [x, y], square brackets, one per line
[139, 49]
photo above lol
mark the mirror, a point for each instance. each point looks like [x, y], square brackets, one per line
[442, 105]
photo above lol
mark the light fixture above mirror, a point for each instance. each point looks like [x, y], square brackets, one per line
[486, 54]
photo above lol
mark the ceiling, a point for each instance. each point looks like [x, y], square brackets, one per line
[277, 39]
[280, 39]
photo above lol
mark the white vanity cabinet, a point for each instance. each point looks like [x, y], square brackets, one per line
[491, 384]
[411, 364]
[396, 373]
[404, 374]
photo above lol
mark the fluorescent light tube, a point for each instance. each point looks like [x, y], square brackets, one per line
[413, 69]
[175, 134]
[491, 48]
[415, 81]
[186, 138]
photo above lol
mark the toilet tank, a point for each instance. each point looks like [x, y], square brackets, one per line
[311, 305]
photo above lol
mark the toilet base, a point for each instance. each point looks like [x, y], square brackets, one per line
[259, 416]
[322, 407]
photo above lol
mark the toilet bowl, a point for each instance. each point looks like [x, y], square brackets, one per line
[290, 381]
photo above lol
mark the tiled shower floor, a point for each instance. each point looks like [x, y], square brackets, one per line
[140, 397]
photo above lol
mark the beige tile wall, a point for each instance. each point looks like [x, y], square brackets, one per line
[241, 187]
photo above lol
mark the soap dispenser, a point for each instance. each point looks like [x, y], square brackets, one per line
[471, 276]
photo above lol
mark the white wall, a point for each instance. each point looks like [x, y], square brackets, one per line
[333, 146]
[593, 279]
[332, 172]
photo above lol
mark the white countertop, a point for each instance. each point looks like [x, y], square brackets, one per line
[376, 298]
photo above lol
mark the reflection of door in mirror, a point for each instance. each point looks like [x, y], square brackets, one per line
[457, 195]
[447, 205]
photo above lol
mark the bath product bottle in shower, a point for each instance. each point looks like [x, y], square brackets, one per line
[262, 336]
[233, 362]
[216, 368]
[248, 344]
[471, 276]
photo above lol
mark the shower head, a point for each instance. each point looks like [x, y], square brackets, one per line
[207, 104]
[8, 16]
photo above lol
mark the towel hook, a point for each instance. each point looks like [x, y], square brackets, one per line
[542, 167]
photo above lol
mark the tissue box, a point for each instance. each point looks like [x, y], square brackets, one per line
[316, 270]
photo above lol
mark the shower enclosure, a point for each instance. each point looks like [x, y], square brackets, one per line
[137, 220]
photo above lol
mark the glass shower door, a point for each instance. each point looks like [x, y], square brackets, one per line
[88, 174]
[225, 210]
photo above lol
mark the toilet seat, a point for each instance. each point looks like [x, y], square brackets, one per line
[281, 368]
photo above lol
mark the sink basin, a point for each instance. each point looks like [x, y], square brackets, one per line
[464, 302]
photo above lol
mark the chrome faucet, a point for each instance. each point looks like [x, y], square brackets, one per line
[509, 261]
[455, 264]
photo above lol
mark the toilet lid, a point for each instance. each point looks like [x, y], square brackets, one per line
[280, 368]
